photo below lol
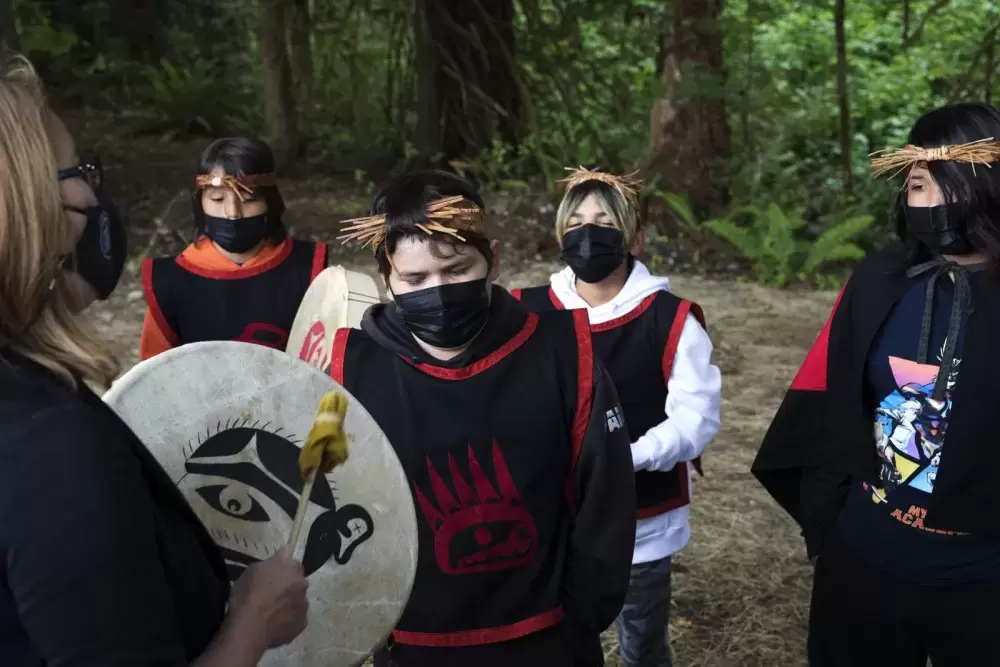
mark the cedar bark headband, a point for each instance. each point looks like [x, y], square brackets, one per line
[627, 185]
[241, 185]
[450, 215]
[983, 151]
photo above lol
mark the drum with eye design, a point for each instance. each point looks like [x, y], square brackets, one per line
[226, 421]
[336, 299]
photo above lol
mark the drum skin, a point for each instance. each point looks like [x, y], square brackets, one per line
[226, 421]
[336, 299]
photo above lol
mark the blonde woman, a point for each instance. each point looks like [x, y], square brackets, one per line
[658, 354]
[101, 561]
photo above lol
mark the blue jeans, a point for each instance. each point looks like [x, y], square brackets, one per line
[643, 622]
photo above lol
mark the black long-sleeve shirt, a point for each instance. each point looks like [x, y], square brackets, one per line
[102, 563]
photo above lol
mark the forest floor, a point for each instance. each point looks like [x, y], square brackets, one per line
[741, 586]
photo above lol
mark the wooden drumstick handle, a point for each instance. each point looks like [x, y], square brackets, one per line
[300, 513]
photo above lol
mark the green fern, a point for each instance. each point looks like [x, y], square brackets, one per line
[770, 239]
[680, 206]
[836, 244]
[746, 242]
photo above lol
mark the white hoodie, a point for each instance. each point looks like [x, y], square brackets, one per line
[691, 410]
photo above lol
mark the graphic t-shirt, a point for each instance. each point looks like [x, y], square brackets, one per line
[884, 517]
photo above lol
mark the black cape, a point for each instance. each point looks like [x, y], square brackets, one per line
[821, 437]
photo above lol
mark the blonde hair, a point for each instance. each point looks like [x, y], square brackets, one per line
[616, 205]
[36, 319]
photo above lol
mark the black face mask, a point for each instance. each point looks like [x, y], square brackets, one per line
[238, 234]
[99, 257]
[447, 316]
[593, 252]
[942, 229]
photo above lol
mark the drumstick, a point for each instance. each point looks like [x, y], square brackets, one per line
[325, 448]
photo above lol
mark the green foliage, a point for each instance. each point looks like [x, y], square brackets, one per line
[186, 100]
[588, 72]
[40, 39]
[774, 243]
[782, 94]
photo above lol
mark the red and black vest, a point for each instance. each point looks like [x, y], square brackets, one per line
[488, 450]
[191, 304]
[638, 351]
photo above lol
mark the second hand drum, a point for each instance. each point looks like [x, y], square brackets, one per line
[336, 299]
[226, 421]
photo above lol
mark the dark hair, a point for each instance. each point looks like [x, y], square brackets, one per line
[243, 155]
[976, 187]
[403, 201]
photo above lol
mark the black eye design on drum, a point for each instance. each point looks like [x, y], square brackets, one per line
[234, 501]
[247, 480]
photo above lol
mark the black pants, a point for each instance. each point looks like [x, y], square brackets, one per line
[862, 616]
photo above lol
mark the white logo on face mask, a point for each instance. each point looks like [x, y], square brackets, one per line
[105, 235]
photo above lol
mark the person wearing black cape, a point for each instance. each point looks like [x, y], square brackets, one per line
[884, 449]
[506, 424]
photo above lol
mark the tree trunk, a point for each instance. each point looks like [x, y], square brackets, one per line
[300, 53]
[906, 23]
[690, 143]
[279, 96]
[843, 100]
[8, 29]
[467, 87]
[747, 82]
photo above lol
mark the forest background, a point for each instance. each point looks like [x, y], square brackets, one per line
[750, 121]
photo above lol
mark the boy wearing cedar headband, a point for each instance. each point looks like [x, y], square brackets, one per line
[658, 354]
[507, 427]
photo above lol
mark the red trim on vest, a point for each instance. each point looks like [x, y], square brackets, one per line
[555, 300]
[667, 363]
[627, 317]
[812, 373]
[584, 393]
[319, 260]
[687, 307]
[337, 355]
[484, 636]
[516, 293]
[674, 503]
[238, 273]
[492, 359]
[154, 306]
[700, 316]
[674, 338]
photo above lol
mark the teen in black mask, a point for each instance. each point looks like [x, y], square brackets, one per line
[658, 354]
[883, 448]
[458, 373]
[598, 230]
[242, 278]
